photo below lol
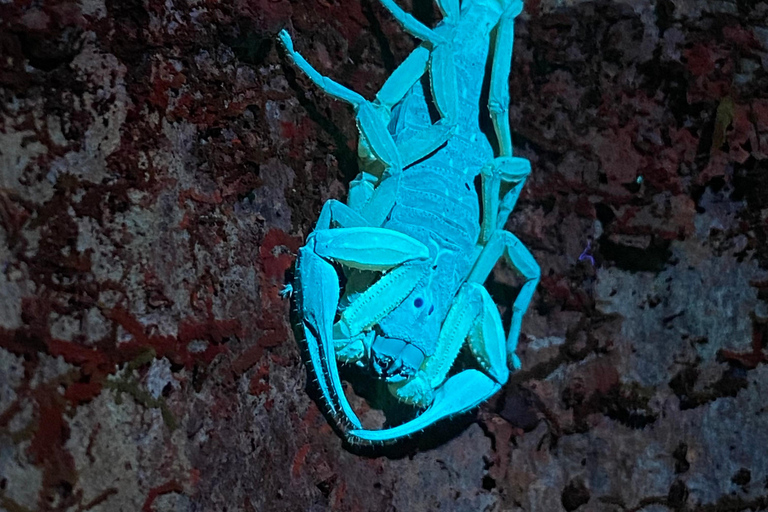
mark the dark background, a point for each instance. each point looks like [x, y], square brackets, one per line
[161, 164]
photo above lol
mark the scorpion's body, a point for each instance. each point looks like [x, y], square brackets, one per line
[411, 238]
[435, 200]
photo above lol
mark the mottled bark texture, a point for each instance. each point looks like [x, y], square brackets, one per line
[162, 163]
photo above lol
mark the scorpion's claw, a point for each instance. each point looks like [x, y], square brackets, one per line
[318, 307]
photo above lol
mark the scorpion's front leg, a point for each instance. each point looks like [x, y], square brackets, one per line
[473, 316]
[357, 247]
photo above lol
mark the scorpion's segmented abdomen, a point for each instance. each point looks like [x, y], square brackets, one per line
[441, 200]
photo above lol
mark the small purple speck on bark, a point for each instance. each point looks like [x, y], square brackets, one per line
[585, 254]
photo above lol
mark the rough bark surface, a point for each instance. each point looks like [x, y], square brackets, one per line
[161, 163]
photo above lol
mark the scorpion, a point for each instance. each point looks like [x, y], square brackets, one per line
[411, 244]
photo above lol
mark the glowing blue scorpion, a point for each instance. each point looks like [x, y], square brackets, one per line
[410, 241]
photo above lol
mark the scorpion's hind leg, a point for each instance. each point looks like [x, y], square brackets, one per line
[474, 316]
[396, 92]
[506, 168]
[371, 122]
[411, 25]
[436, 54]
[498, 95]
[449, 8]
[519, 258]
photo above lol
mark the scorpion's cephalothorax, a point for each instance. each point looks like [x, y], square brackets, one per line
[412, 242]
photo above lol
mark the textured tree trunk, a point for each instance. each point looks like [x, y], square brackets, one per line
[161, 163]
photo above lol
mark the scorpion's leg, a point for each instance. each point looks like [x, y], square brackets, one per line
[360, 190]
[474, 316]
[442, 76]
[336, 214]
[505, 168]
[442, 72]
[398, 86]
[498, 96]
[508, 169]
[519, 258]
[411, 25]
[496, 241]
[371, 122]
[450, 9]
[392, 92]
